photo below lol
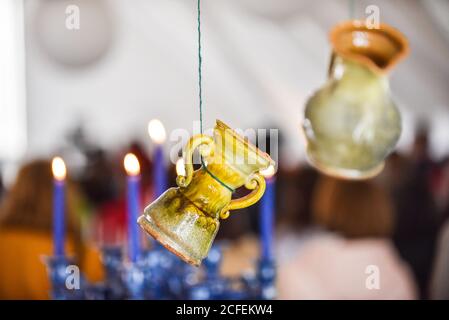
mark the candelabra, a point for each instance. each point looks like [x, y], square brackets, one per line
[158, 274]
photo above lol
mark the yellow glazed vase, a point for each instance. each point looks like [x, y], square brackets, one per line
[351, 124]
[186, 219]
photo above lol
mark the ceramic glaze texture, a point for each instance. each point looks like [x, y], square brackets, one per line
[351, 124]
[186, 219]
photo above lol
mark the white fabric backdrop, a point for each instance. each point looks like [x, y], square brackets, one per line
[262, 59]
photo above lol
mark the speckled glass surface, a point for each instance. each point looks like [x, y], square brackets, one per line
[186, 219]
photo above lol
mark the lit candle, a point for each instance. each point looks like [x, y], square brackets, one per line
[180, 167]
[132, 168]
[157, 134]
[267, 207]
[59, 175]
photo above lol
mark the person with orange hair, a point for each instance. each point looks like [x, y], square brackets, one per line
[26, 235]
[350, 254]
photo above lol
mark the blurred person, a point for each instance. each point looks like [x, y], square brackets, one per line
[394, 173]
[439, 288]
[111, 223]
[351, 255]
[416, 225]
[441, 190]
[103, 182]
[294, 210]
[26, 234]
[98, 178]
[420, 149]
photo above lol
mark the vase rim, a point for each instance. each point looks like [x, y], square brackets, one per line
[397, 40]
[220, 125]
[345, 173]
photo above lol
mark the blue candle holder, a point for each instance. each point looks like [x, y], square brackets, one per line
[113, 266]
[266, 276]
[134, 279]
[159, 274]
[57, 267]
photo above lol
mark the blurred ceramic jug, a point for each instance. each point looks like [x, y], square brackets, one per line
[186, 219]
[351, 124]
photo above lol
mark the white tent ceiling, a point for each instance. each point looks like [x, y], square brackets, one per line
[262, 59]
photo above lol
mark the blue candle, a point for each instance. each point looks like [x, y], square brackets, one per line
[157, 134]
[267, 207]
[160, 178]
[133, 204]
[59, 174]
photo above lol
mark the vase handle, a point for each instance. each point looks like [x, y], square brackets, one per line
[330, 70]
[194, 142]
[257, 184]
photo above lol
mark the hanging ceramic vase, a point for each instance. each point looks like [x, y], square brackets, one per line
[351, 124]
[186, 219]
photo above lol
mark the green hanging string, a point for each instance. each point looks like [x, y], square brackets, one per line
[200, 63]
[200, 93]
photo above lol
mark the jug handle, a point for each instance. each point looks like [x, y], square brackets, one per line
[194, 142]
[257, 184]
[330, 70]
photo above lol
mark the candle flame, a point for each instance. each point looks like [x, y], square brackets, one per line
[180, 167]
[131, 164]
[58, 168]
[156, 131]
[268, 172]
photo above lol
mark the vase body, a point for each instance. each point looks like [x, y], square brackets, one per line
[352, 123]
[186, 219]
